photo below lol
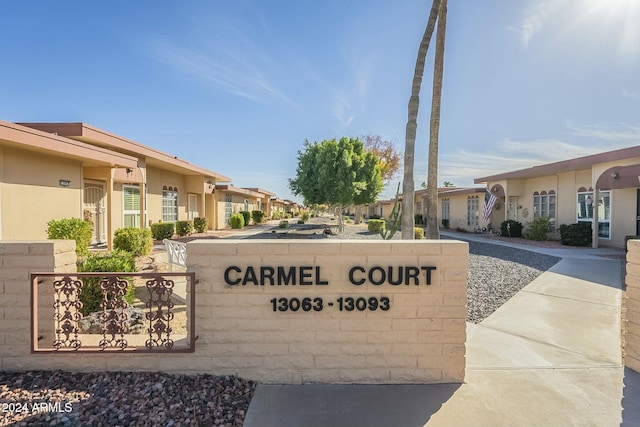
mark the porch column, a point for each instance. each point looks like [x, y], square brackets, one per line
[594, 225]
[110, 213]
[143, 207]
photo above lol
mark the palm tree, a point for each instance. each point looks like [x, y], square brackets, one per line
[408, 221]
[433, 231]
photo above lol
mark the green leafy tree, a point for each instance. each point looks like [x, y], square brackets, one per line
[337, 173]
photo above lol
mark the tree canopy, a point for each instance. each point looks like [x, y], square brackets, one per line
[387, 154]
[338, 173]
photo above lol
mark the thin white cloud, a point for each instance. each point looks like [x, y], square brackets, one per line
[612, 132]
[227, 59]
[536, 17]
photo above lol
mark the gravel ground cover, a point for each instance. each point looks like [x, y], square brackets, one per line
[122, 399]
[37, 398]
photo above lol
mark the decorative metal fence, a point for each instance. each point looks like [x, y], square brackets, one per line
[148, 325]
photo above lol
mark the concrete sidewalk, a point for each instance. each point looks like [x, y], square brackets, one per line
[550, 356]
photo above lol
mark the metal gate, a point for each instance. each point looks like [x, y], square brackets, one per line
[94, 211]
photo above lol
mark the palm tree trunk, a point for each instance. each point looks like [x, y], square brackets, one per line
[408, 186]
[433, 231]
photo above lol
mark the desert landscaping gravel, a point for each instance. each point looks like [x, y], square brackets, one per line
[37, 398]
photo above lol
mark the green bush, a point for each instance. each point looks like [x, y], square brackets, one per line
[305, 216]
[236, 221]
[375, 217]
[300, 221]
[184, 228]
[511, 228]
[72, 229]
[133, 240]
[288, 215]
[418, 233]
[257, 217]
[418, 219]
[283, 224]
[578, 234]
[376, 225]
[200, 225]
[116, 261]
[247, 217]
[538, 229]
[445, 223]
[162, 230]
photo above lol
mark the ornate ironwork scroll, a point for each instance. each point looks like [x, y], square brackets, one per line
[113, 317]
[159, 314]
[67, 314]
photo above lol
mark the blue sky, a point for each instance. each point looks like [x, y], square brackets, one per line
[236, 86]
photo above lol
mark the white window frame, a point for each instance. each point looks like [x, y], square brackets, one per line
[228, 207]
[542, 203]
[194, 211]
[445, 206]
[130, 212]
[169, 204]
[604, 217]
[473, 211]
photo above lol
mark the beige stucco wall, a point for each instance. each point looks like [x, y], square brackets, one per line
[30, 199]
[237, 202]
[419, 339]
[17, 261]
[632, 305]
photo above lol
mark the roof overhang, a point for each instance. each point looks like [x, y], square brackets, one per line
[92, 135]
[238, 190]
[24, 137]
[579, 163]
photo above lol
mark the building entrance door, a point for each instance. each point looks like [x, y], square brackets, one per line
[94, 210]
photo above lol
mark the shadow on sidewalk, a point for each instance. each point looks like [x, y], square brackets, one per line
[348, 405]
[631, 399]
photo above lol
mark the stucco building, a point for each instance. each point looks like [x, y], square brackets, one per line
[74, 170]
[602, 189]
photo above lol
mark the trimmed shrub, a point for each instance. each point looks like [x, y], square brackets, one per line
[538, 229]
[257, 217]
[133, 240]
[418, 219]
[376, 225]
[162, 230]
[184, 228]
[445, 223]
[578, 234]
[236, 221]
[418, 233]
[300, 221]
[305, 216]
[511, 228]
[72, 229]
[247, 217]
[283, 224]
[115, 261]
[200, 225]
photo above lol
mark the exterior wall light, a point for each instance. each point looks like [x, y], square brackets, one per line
[64, 183]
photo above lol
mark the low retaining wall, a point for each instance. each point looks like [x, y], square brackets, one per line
[632, 305]
[283, 311]
[333, 311]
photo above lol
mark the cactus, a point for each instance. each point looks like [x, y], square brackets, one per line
[395, 218]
